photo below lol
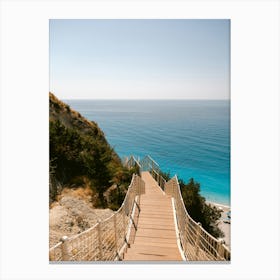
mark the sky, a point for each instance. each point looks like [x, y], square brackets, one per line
[140, 59]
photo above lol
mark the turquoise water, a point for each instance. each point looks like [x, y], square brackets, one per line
[187, 138]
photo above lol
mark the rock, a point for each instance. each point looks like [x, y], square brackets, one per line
[71, 216]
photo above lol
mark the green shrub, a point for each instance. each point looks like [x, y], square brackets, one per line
[197, 207]
[76, 155]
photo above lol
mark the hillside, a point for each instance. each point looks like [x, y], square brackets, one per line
[70, 118]
[80, 156]
[73, 213]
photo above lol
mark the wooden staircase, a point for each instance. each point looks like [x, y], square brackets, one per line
[155, 238]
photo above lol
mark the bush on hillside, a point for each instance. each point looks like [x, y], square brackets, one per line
[197, 207]
[74, 155]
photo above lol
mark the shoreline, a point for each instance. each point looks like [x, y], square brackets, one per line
[218, 204]
[224, 227]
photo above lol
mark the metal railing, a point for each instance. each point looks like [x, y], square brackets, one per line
[148, 164]
[108, 239]
[132, 162]
[160, 180]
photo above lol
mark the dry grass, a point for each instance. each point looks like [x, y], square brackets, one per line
[84, 193]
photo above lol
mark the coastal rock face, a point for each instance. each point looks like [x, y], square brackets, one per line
[59, 111]
[79, 151]
[86, 175]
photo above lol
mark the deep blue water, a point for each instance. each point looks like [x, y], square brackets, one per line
[187, 138]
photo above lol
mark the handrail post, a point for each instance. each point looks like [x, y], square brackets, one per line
[123, 216]
[197, 240]
[221, 248]
[186, 229]
[177, 189]
[138, 186]
[180, 215]
[65, 248]
[116, 233]
[100, 241]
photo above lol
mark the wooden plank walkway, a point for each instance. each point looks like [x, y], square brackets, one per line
[155, 238]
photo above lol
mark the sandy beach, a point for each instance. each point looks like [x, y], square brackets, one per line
[225, 227]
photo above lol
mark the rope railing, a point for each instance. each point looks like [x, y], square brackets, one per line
[196, 242]
[108, 239]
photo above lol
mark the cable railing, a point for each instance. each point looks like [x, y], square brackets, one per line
[108, 239]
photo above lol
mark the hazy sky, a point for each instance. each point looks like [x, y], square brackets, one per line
[140, 59]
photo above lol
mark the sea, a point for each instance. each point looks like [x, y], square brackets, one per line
[189, 138]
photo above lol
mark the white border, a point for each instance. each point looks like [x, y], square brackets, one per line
[255, 137]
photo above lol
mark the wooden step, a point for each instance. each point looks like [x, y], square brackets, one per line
[157, 233]
[151, 257]
[154, 249]
[155, 226]
[155, 238]
[156, 243]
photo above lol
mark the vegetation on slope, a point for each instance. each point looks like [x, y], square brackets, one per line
[80, 156]
[197, 207]
[79, 153]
